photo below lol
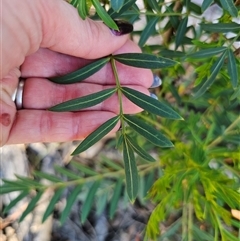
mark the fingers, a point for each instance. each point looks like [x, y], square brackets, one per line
[45, 126]
[46, 63]
[43, 94]
[7, 106]
[52, 24]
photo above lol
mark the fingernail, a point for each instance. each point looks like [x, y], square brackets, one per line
[153, 96]
[156, 81]
[123, 26]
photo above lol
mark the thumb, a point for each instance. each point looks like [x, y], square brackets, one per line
[66, 32]
[54, 24]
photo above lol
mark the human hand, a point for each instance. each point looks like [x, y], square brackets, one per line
[48, 38]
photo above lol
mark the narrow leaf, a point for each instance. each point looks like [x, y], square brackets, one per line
[149, 104]
[12, 204]
[101, 203]
[214, 72]
[86, 170]
[74, 3]
[82, 73]
[221, 27]
[148, 132]
[148, 30]
[69, 174]
[7, 189]
[117, 5]
[97, 135]
[32, 204]
[206, 4]
[131, 171]
[89, 201]
[142, 60]
[82, 9]
[181, 31]
[206, 53]
[232, 68]
[115, 198]
[104, 15]
[28, 182]
[70, 201]
[84, 102]
[229, 6]
[123, 9]
[47, 176]
[141, 152]
[52, 204]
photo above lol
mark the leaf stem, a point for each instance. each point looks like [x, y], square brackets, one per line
[220, 138]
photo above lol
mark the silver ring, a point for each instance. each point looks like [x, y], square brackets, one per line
[19, 95]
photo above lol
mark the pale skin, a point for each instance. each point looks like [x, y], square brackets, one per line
[45, 38]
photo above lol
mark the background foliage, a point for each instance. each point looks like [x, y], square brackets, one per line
[197, 180]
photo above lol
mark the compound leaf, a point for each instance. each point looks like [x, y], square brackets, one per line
[32, 204]
[131, 172]
[97, 135]
[221, 27]
[117, 5]
[22, 195]
[104, 15]
[148, 132]
[206, 53]
[149, 104]
[148, 30]
[181, 31]
[229, 6]
[89, 201]
[52, 204]
[140, 151]
[81, 74]
[115, 197]
[70, 201]
[232, 68]
[214, 72]
[142, 60]
[84, 102]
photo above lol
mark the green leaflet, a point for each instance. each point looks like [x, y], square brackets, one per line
[97, 135]
[123, 9]
[32, 204]
[74, 3]
[181, 31]
[82, 168]
[206, 4]
[206, 53]
[229, 6]
[101, 203]
[7, 189]
[232, 69]
[69, 174]
[82, 73]
[115, 197]
[104, 15]
[70, 201]
[52, 204]
[84, 102]
[141, 152]
[221, 27]
[131, 171]
[82, 9]
[214, 72]
[148, 132]
[148, 30]
[89, 201]
[117, 5]
[47, 176]
[149, 104]
[142, 60]
[22, 195]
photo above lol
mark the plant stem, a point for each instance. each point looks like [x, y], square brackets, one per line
[220, 138]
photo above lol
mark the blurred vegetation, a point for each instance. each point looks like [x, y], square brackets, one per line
[196, 182]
